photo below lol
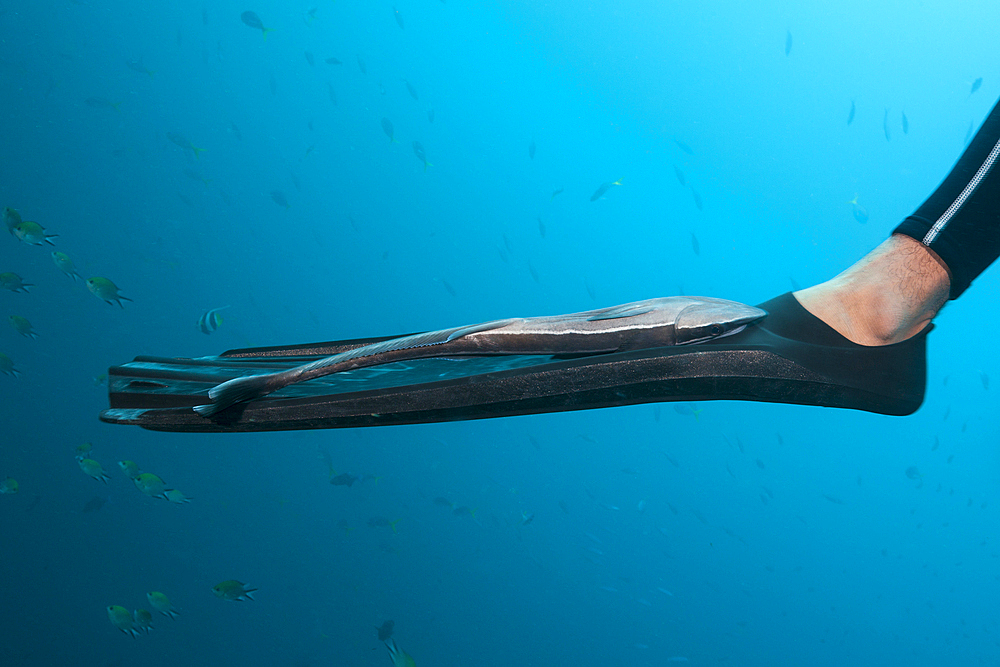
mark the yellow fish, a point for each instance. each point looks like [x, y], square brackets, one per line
[83, 451]
[32, 233]
[176, 497]
[65, 264]
[11, 218]
[143, 620]
[130, 468]
[7, 366]
[151, 485]
[104, 289]
[121, 619]
[13, 282]
[161, 603]
[23, 326]
[9, 485]
[233, 590]
[400, 658]
[93, 468]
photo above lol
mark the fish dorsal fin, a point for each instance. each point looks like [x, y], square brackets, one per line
[627, 310]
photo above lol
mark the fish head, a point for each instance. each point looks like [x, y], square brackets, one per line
[706, 318]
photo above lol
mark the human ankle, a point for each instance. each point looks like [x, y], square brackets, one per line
[888, 296]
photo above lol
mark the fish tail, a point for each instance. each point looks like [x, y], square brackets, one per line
[150, 73]
[265, 31]
[618, 182]
[197, 151]
[392, 524]
[427, 164]
[117, 105]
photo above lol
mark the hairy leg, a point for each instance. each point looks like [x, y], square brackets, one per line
[886, 297]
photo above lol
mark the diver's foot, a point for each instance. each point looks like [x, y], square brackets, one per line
[891, 294]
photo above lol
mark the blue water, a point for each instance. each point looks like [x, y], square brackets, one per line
[728, 512]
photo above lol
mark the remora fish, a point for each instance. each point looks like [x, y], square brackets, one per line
[675, 320]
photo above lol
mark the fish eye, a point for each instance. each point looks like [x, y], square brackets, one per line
[717, 330]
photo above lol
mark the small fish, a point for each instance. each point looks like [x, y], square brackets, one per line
[683, 146]
[161, 603]
[11, 218]
[333, 61]
[411, 89]
[447, 286]
[137, 66]
[885, 126]
[985, 379]
[526, 517]
[860, 214]
[23, 326]
[7, 366]
[122, 619]
[912, 472]
[13, 282]
[399, 657]
[464, 509]
[833, 499]
[210, 320]
[418, 150]
[788, 42]
[32, 233]
[130, 468]
[558, 191]
[310, 59]
[603, 188]
[976, 85]
[102, 103]
[385, 630]
[195, 175]
[310, 15]
[346, 527]
[382, 522]
[279, 198]
[65, 264]
[94, 504]
[680, 175]
[531, 149]
[143, 620]
[9, 486]
[430, 115]
[399, 18]
[233, 590]
[344, 479]
[850, 114]
[181, 141]
[694, 244]
[251, 20]
[176, 497]
[93, 469]
[151, 485]
[361, 65]
[105, 290]
[697, 199]
[688, 410]
[968, 132]
[389, 130]
[906, 123]
[541, 228]
[83, 451]
[235, 131]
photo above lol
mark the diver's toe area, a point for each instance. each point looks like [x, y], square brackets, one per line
[790, 356]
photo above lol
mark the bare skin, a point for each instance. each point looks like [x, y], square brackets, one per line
[889, 295]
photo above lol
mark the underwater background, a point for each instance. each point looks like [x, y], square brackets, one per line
[199, 162]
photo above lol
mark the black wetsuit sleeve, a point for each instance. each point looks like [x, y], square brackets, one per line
[960, 222]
